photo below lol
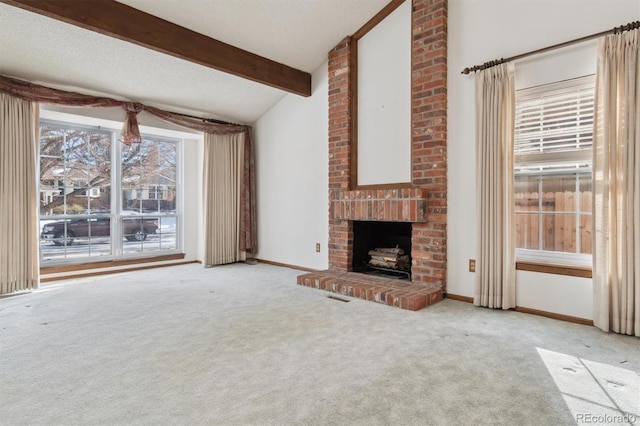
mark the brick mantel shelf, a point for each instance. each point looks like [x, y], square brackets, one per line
[389, 205]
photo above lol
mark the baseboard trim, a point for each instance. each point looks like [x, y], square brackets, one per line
[111, 271]
[546, 314]
[286, 265]
[553, 315]
[459, 297]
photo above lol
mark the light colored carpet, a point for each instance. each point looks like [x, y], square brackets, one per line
[244, 345]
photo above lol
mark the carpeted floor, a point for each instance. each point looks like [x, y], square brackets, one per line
[244, 345]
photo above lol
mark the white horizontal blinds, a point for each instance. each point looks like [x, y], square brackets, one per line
[554, 126]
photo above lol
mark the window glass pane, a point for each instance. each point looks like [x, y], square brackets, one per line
[559, 233]
[77, 172]
[149, 186]
[75, 238]
[527, 196]
[167, 233]
[51, 170]
[137, 228]
[167, 177]
[51, 142]
[131, 178]
[52, 190]
[560, 192]
[149, 177]
[149, 234]
[72, 163]
[585, 205]
[547, 221]
[527, 231]
[98, 164]
[100, 199]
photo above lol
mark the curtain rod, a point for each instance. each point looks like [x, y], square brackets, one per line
[616, 30]
[208, 120]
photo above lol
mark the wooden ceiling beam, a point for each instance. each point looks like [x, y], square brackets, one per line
[123, 22]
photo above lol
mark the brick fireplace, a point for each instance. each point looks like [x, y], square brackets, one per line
[423, 202]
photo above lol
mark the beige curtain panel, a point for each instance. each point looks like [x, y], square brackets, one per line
[19, 263]
[616, 171]
[495, 115]
[223, 188]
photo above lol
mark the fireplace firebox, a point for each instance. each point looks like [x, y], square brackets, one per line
[371, 235]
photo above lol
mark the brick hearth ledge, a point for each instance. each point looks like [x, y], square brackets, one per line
[388, 291]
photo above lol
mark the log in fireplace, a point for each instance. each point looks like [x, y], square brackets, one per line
[372, 238]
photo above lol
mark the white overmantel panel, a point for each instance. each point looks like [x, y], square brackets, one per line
[384, 100]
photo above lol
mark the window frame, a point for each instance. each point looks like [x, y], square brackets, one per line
[528, 258]
[115, 215]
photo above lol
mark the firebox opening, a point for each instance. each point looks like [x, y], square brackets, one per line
[369, 236]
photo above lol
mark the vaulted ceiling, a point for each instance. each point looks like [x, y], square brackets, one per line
[295, 33]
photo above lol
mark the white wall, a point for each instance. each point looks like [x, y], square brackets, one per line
[192, 210]
[292, 178]
[384, 100]
[483, 30]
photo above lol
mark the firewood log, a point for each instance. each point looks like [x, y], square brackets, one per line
[382, 253]
[394, 250]
[383, 264]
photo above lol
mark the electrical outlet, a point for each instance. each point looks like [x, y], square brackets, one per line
[317, 247]
[472, 265]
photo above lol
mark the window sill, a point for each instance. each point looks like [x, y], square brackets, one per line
[549, 268]
[109, 264]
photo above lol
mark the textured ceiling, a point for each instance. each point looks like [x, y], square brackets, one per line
[298, 33]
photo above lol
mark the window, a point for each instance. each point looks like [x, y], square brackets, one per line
[80, 169]
[553, 140]
[145, 167]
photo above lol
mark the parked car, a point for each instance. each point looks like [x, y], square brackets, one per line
[134, 229]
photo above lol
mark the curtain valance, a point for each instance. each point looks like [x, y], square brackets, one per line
[130, 132]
